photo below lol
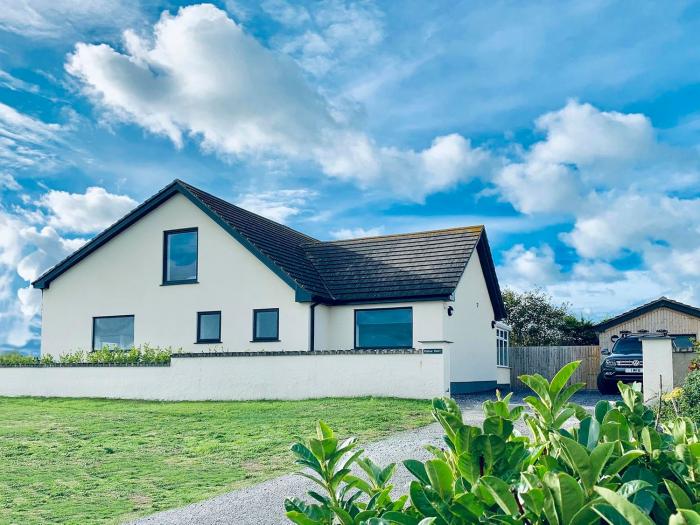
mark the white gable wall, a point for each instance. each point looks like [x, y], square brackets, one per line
[473, 348]
[124, 277]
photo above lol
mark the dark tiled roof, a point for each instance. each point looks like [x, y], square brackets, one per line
[399, 266]
[281, 244]
[661, 302]
[393, 267]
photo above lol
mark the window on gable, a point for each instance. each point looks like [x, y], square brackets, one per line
[266, 324]
[384, 328]
[180, 256]
[209, 327]
[113, 332]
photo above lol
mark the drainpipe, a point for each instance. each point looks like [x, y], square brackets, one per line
[312, 322]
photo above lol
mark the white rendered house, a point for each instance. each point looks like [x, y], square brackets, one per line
[188, 270]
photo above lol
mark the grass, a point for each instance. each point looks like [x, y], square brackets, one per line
[105, 461]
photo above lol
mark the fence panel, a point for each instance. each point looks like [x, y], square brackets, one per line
[547, 360]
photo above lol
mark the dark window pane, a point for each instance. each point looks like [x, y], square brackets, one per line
[684, 341]
[384, 328]
[210, 327]
[181, 257]
[266, 324]
[113, 332]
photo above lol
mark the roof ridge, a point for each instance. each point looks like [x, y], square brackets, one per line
[188, 186]
[407, 234]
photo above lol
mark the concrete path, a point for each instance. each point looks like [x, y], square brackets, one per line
[263, 504]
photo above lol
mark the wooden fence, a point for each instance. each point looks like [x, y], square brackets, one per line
[547, 360]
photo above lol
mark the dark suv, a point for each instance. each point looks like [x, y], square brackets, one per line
[624, 363]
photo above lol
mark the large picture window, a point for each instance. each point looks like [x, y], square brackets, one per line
[180, 256]
[113, 332]
[209, 327]
[384, 328]
[266, 324]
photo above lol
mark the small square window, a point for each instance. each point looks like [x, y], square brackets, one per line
[266, 323]
[209, 327]
[114, 332]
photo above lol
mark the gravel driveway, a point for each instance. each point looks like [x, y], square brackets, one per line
[263, 504]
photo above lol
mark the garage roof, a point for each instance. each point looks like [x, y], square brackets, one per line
[661, 302]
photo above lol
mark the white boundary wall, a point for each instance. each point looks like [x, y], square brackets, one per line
[296, 376]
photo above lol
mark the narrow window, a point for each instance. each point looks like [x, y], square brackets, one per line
[209, 327]
[113, 332]
[266, 324]
[384, 328]
[180, 256]
[502, 347]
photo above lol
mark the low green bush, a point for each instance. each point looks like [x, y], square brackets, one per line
[14, 358]
[144, 354]
[616, 465]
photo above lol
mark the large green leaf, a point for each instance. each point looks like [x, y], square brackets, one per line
[420, 501]
[560, 378]
[589, 432]
[498, 425]
[622, 462]
[631, 512]
[539, 385]
[678, 495]
[440, 476]
[502, 495]
[685, 517]
[567, 494]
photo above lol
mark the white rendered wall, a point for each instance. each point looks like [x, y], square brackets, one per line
[473, 348]
[658, 367]
[335, 326]
[416, 376]
[124, 277]
[503, 375]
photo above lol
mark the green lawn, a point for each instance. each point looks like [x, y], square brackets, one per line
[104, 461]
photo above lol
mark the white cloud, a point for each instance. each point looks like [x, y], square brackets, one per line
[34, 238]
[525, 268]
[278, 205]
[354, 233]
[202, 76]
[54, 19]
[8, 182]
[16, 84]
[332, 33]
[285, 12]
[585, 150]
[86, 212]
[26, 141]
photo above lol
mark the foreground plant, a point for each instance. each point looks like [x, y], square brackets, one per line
[615, 465]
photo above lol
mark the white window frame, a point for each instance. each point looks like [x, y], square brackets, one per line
[502, 345]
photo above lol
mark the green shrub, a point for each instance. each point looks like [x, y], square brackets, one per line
[615, 465]
[15, 358]
[144, 354]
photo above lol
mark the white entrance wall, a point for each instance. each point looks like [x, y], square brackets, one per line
[657, 354]
[124, 277]
[408, 375]
[473, 348]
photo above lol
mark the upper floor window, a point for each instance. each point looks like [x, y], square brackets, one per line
[266, 324]
[116, 331]
[180, 256]
[209, 327]
[502, 347]
[384, 328]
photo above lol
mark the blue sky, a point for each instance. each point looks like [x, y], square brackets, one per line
[570, 131]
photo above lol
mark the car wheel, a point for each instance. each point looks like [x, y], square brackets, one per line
[606, 387]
